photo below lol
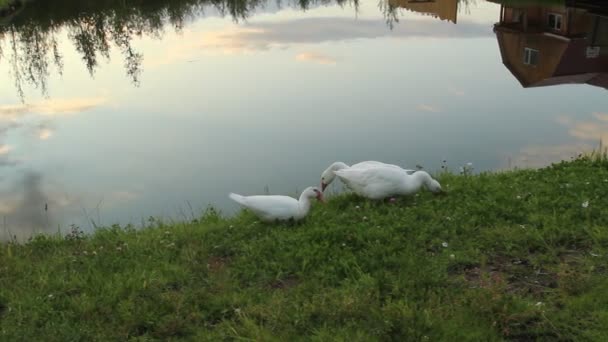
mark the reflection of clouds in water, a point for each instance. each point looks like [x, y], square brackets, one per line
[4, 149]
[587, 133]
[601, 116]
[428, 108]
[590, 131]
[13, 117]
[51, 107]
[594, 129]
[316, 58]
[535, 156]
[263, 35]
[44, 133]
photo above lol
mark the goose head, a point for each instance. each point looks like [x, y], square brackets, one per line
[313, 192]
[431, 184]
[435, 187]
[328, 175]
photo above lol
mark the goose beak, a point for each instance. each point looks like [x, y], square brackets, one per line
[441, 192]
[323, 186]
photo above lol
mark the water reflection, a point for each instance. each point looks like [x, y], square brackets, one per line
[227, 104]
[540, 44]
[29, 41]
[551, 45]
[441, 9]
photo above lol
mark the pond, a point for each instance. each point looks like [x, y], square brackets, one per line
[114, 111]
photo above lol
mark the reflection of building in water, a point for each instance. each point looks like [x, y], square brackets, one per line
[553, 44]
[442, 9]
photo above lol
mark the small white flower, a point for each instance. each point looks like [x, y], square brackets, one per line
[357, 207]
[94, 253]
[343, 244]
[237, 310]
[444, 244]
[523, 226]
[605, 180]
[539, 304]
[585, 204]
[231, 226]
[587, 183]
[50, 296]
[364, 218]
[518, 197]
[167, 232]
[452, 256]
[85, 253]
[119, 249]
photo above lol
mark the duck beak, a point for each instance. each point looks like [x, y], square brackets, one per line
[323, 186]
[320, 198]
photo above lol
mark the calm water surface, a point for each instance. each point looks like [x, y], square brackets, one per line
[116, 114]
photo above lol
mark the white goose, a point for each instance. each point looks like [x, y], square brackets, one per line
[329, 174]
[274, 207]
[382, 182]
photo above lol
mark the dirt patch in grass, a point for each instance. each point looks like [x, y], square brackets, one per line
[286, 283]
[517, 276]
[217, 264]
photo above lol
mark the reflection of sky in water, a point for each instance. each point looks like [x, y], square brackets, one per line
[236, 107]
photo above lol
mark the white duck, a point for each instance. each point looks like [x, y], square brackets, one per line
[329, 174]
[382, 182]
[274, 207]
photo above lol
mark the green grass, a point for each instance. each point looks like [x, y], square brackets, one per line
[3, 3]
[504, 256]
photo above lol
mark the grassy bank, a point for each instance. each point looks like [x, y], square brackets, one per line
[519, 255]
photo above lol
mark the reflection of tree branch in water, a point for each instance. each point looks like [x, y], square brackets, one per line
[390, 13]
[466, 5]
[29, 48]
[95, 26]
